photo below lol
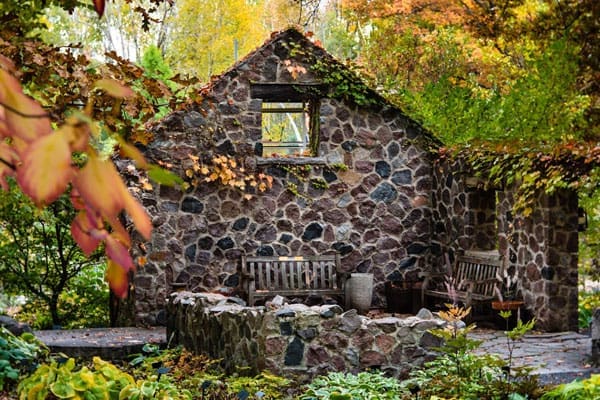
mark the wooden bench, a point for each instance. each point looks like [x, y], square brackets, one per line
[474, 279]
[264, 277]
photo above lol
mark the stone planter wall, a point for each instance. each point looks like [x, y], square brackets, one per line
[296, 340]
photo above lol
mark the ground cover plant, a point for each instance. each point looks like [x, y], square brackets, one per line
[460, 373]
[178, 374]
[346, 386]
[18, 356]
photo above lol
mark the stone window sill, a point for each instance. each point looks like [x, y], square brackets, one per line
[291, 161]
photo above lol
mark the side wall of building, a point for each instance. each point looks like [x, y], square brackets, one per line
[541, 249]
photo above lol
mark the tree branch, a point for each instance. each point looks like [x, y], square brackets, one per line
[22, 114]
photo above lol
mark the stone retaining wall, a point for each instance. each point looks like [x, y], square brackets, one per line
[296, 340]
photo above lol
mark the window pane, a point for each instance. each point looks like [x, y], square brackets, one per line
[284, 128]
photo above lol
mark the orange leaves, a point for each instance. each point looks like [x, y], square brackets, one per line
[45, 169]
[114, 88]
[118, 279]
[22, 117]
[42, 160]
[100, 186]
[229, 172]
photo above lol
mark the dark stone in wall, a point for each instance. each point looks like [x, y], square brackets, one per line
[384, 192]
[205, 243]
[285, 328]
[226, 148]
[329, 176]
[403, 177]
[285, 238]
[312, 231]
[416, 248]
[190, 253]
[240, 224]
[265, 251]
[294, 352]
[192, 205]
[343, 248]
[547, 273]
[232, 281]
[383, 169]
[225, 243]
[393, 150]
[407, 262]
[349, 145]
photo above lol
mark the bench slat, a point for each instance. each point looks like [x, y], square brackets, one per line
[475, 278]
[291, 276]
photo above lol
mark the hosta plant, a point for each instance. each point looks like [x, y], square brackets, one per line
[347, 386]
[17, 355]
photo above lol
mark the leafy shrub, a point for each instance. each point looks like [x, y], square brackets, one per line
[577, 390]
[461, 374]
[104, 381]
[17, 355]
[588, 302]
[346, 386]
[83, 304]
[202, 376]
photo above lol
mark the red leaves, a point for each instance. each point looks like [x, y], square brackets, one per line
[99, 6]
[41, 158]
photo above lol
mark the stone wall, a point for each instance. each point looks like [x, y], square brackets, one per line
[543, 249]
[368, 198]
[296, 340]
[540, 249]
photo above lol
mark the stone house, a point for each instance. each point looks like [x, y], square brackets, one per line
[351, 174]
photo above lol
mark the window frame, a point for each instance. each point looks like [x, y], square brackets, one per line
[307, 93]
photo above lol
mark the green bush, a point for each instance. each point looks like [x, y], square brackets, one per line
[103, 382]
[585, 389]
[83, 304]
[588, 302]
[17, 355]
[362, 386]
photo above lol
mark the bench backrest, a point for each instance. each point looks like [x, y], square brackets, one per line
[473, 268]
[292, 273]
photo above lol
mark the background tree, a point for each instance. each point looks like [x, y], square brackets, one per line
[38, 256]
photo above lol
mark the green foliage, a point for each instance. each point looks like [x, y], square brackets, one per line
[85, 302]
[347, 386]
[202, 377]
[103, 381]
[542, 106]
[154, 64]
[588, 302]
[38, 256]
[459, 373]
[17, 355]
[583, 389]
[264, 385]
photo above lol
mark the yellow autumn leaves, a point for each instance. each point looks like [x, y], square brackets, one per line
[228, 172]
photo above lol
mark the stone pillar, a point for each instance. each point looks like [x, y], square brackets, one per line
[542, 248]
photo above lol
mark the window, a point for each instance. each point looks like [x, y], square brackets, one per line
[290, 118]
[285, 129]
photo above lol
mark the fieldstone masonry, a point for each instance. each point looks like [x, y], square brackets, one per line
[374, 194]
[296, 340]
[541, 249]
[365, 197]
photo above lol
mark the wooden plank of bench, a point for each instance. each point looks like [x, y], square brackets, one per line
[291, 276]
[475, 277]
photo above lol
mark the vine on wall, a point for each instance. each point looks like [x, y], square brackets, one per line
[228, 171]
